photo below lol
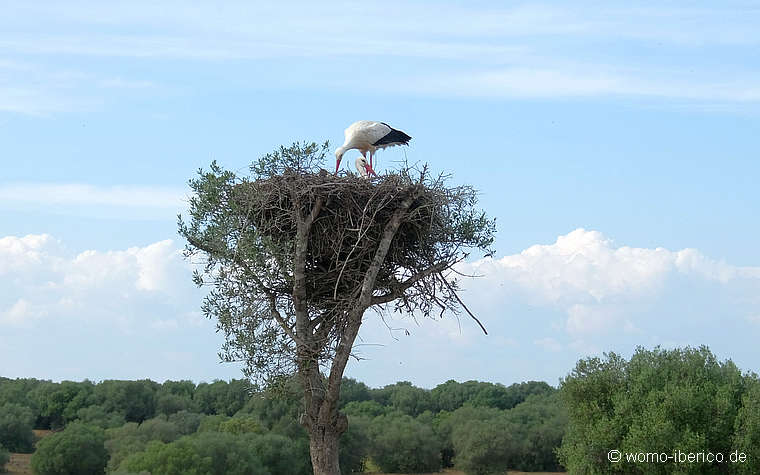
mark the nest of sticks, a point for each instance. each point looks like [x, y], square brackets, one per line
[351, 218]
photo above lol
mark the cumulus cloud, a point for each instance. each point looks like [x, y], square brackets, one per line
[542, 307]
[594, 281]
[44, 280]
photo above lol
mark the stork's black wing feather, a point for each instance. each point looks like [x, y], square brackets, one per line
[394, 137]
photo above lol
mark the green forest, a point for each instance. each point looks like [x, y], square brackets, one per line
[657, 401]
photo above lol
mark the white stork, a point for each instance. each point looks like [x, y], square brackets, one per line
[369, 136]
[363, 167]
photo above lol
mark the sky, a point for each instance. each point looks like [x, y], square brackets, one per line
[615, 145]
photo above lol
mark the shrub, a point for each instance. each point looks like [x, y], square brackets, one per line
[354, 445]
[186, 422]
[212, 423]
[158, 428]
[399, 443]
[97, 416]
[242, 424]
[207, 453]
[281, 455]
[16, 424]
[486, 447]
[168, 459]
[78, 449]
[4, 457]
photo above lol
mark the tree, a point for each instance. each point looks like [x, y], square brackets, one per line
[221, 397]
[296, 256]
[747, 427]
[134, 399]
[486, 447]
[177, 458]
[77, 449]
[95, 415]
[399, 443]
[659, 401]
[16, 427]
[210, 453]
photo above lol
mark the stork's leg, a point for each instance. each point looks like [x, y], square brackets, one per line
[371, 156]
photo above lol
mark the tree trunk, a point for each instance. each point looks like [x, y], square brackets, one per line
[323, 445]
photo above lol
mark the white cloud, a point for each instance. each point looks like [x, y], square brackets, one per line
[586, 266]
[581, 293]
[129, 286]
[596, 283]
[21, 313]
[20, 254]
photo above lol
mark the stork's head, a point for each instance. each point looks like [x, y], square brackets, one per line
[338, 157]
[363, 167]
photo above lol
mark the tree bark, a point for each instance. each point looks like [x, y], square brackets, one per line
[325, 426]
[323, 421]
[323, 446]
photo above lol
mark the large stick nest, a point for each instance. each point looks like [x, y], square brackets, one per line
[345, 235]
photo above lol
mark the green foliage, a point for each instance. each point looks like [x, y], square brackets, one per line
[168, 404]
[78, 449]
[221, 397]
[212, 423]
[16, 427]
[540, 422]
[122, 441]
[20, 391]
[208, 453]
[527, 437]
[186, 422]
[281, 455]
[451, 395]
[132, 437]
[354, 444]
[399, 443]
[659, 401]
[5, 456]
[158, 428]
[747, 426]
[366, 409]
[485, 447]
[168, 459]
[134, 399]
[96, 415]
[404, 397]
[241, 424]
[278, 408]
[352, 390]
[58, 404]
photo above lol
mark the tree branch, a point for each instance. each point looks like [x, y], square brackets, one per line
[399, 291]
[456, 296]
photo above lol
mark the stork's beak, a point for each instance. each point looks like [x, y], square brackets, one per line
[337, 164]
[369, 169]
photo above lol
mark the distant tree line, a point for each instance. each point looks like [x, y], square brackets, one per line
[659, 401]
[179, 427]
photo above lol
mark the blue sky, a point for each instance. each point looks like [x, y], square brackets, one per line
[616, 145]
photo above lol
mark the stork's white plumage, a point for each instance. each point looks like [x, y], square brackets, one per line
[369, 136]
[364, 169]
